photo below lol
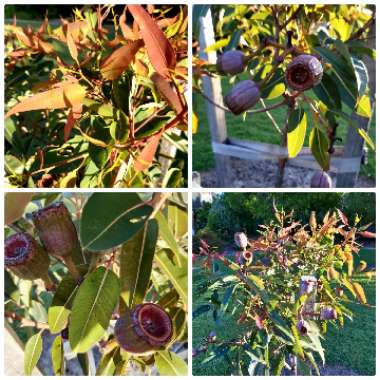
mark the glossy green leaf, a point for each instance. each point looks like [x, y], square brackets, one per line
[107, 364]
[60, 308]
[57, 356]
[178, 316]
[176, 274]
[170, 364]
[167, 235]
[110, 219]
[296, 132]
[136, 260]
[326, 92]
[319, 145]
[32, 353]
[92, 309]
[275, 87]
[362, 76]
[177, 219]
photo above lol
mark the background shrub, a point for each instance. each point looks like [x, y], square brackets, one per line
[231, 212]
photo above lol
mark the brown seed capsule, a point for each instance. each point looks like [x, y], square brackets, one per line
[231, 62]
[321, 179]
[144, 329]
[304, 72]
[25, 257]
[243, 96]
[247, 256]
[56, 230]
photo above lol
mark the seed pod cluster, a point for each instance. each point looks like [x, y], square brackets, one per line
[231, 62]
[304, 72]
[321, 179]
[25, 257]
[242, 96]
[144, 329]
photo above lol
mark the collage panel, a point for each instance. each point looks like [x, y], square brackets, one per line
[95, 284]
[284, 95]
[95, 96]
[284, 284]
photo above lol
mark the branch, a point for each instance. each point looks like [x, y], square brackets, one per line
[361, 30]
[26, 322]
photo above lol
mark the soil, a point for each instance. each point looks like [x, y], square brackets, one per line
[264, 174]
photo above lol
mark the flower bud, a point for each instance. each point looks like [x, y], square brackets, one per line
[328, 313]
[25, 257]
[247, 256]
[303, 327]
[243, 96]
[321, 179]
[231, 62]
[241, 240]
[56, 230]
[144, 329]
[304, 72]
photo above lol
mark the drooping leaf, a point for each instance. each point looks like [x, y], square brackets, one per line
[170, 364]
[92, 309]
[166, 90]
[32, 353]
[359, 292]
[68, 94]
[136, 260]
[160, 52]
[326, 92]
[119, 60]
[70, 42]
[364, 107]
[110, 219]
[146, 156]
[57, 356]
[319, 145]
[176, 274]
[60, 308]
[108, 362]
[296, 132]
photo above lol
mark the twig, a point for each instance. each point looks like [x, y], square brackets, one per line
[361, 30]
[271, 117]
[26, 322]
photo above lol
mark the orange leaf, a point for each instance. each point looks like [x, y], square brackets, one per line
[367, 234]
[71, 43]
[66, 95]
[359, 291]
[160, 52]
[127, 32]
[145, 158]
[74, 114]
[167, 92]
[113, 66]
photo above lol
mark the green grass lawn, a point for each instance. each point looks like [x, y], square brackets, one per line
[256, 127]
[351, 347]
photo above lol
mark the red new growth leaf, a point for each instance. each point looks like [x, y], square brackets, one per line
[113, 66]
[343, 217]
[146, 156]
[367, 234]
[160, 52]
[168, 93]
[71, 43]
[127, 32]
[74, 114]
[66, 95]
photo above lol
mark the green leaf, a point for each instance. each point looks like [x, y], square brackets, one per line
[57, 356]
[60, 309]
[108, 363]
[296, 132]
[110, 219]
[170, 364]
[364, 107]
[167, 235]
[366, 138]
[94, 303]
[361, 73]
[319, 145]
[327, 93]
[33, 350]
[177, 219]
[275, 87]
[136, 260]
[178, 317]
[176, 274]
